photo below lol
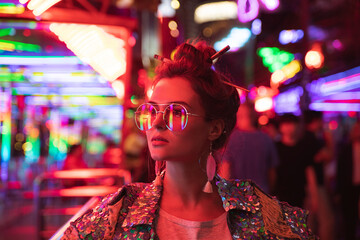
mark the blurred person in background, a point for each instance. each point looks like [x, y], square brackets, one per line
[250, 153]
[291, 180]
[74, 160]
[318, 149]
[348, 182]
[112, 156]
[272, 129]
[188, 117]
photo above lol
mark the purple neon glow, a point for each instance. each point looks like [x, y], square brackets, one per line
[335, 107]
[339, 82]
[288, 102]
[247, 10]
[270, 4]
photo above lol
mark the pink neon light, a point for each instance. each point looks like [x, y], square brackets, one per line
[247, 10]
[271, 4]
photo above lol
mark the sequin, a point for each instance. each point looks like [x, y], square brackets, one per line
[137, 214]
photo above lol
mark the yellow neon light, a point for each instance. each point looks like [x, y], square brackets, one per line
[7, 46]
[102, 51]
[12, 9]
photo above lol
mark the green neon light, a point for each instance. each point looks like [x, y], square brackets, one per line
[5, 134]
[12, 77]
[6, 5]
[57, 147]
[6, 138]
[7, 31]
[32, 149]
[21, 46]
[274, 58]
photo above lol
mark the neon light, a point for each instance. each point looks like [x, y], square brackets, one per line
[263, 104]
[39, 6]
[20, 46]
[290, 36]
[119, 89]
[164, 8]
[17, 24]
[274, 58]
[271, 4]
[44, 60]
[102, 51]
[7, 76]
[64, 91]
[288, 102]
[247, 10]
[216, 11]
[314, 59]
[7, 31]
[172, 25]
[5, 101]
[11, 8]
[339, 82]
[341, 96]
[287, 72]
[7, 47]
[171, 117]
[256, 27]
[44, 6]
[63, 77]
[237, 38]
[335, 107]
[183, 119]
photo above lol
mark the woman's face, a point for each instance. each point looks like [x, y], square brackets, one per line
[187, 144]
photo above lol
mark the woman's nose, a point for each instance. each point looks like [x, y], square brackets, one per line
[159, 122]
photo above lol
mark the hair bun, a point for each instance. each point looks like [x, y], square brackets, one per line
[199, 54]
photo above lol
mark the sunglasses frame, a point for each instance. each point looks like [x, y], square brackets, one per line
[163, 114]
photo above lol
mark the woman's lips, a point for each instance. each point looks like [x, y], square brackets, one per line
[158, 141]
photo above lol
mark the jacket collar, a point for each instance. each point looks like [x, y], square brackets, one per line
[235, 194]
[238, 194]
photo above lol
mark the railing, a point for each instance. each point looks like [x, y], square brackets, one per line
[53, 200]
[88, 205]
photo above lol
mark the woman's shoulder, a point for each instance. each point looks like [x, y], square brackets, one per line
[100, 221]
[278, 218]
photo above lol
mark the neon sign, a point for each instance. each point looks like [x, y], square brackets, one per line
[249, 9]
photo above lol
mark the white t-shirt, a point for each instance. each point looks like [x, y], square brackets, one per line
[171, 227]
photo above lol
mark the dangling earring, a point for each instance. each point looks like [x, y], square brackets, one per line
[210, 171]
[158, 179]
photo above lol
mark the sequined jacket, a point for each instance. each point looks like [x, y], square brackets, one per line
[132, 212]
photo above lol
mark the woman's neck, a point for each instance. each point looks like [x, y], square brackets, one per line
[185, 180]
[183, 194]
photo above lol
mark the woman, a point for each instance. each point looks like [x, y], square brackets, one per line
[190, 114]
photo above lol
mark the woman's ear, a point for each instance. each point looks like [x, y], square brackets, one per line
[216, 129]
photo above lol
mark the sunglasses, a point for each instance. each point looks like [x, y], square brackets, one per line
[174, 115]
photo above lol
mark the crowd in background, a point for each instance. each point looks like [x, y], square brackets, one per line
[298, 160]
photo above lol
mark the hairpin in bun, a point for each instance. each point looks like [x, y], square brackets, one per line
[210, 60]
[219, 53]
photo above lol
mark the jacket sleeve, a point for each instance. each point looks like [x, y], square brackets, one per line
[97, 223]
[282, 219]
